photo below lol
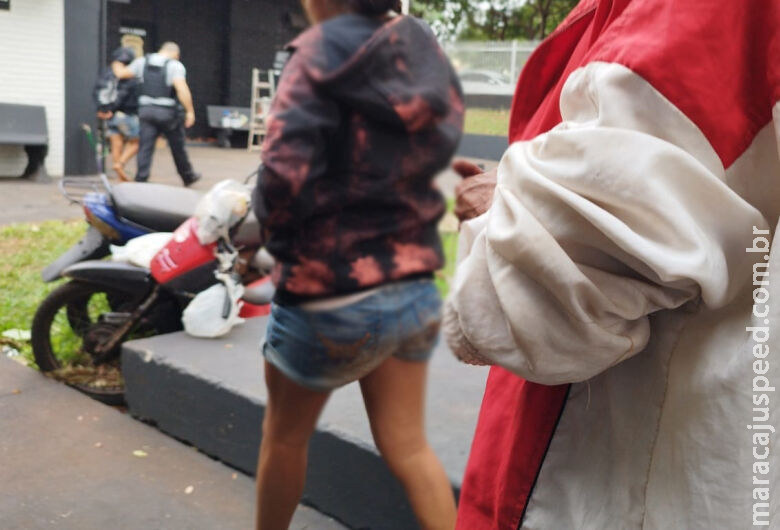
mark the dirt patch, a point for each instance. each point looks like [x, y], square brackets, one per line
[103, 377]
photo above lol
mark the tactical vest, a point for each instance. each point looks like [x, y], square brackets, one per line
[154, 85]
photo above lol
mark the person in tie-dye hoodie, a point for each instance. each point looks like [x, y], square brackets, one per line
[367, 112]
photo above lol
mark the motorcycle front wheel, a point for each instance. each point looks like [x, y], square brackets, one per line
[63, 340]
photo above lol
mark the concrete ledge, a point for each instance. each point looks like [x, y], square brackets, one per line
[484, 146]
[489, 101]
[211, 394]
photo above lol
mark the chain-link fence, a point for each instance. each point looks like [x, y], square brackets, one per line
[505, 59]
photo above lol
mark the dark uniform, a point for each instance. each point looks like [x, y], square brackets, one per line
[162, 116]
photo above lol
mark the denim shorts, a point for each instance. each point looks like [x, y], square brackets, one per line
[325, 349]
[126, 125]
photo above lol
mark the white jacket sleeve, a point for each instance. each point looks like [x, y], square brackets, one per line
[620, 211]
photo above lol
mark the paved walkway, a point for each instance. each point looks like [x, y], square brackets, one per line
[24, 201]
[68, 462]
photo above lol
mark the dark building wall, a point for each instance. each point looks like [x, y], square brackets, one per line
[82, 37]
[200, 29]
[259, 28]
[221, 41]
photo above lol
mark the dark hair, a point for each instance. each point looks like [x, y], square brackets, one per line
[374, 7]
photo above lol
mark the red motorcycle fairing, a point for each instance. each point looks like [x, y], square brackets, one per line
[183, 254]
[185, 264]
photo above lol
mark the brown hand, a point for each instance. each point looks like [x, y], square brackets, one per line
[474, 194]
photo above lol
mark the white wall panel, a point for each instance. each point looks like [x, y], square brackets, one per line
[32, 72]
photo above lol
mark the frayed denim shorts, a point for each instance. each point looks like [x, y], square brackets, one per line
[325, 349]
[126, 125]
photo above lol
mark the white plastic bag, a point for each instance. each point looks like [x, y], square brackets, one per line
[221, 209]
[141, 250]
[203, 316]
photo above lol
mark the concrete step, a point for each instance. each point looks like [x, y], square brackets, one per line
[211, 394]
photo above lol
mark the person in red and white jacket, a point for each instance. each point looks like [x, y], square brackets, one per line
[613, 272]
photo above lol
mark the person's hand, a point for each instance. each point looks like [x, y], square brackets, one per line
[473, 194]
[189, 120]
[105, 115]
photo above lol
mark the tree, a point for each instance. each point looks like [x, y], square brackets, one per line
[493, 20]
[446, 17]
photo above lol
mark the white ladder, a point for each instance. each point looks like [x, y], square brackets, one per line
[263, 90]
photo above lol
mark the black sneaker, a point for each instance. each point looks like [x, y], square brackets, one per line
[192, 180]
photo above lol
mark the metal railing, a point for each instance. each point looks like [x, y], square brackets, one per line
[505, 58]
[75, 189]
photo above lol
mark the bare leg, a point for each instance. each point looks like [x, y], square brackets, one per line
[117, 142]
[394, 395]
[130, 150]
[290, 418]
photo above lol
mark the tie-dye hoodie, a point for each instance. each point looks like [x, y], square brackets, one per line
[366, 113]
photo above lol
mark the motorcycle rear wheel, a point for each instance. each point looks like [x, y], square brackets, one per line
[61, 346]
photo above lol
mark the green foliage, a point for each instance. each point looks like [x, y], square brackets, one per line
[487, 121]
[449, 243]
[495, 20]
[26, 250]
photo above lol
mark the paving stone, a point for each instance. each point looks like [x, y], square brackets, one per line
[70, 462]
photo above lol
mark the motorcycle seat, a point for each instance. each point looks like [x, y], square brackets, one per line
[158, 207]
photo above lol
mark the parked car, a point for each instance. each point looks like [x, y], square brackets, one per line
[486, 82]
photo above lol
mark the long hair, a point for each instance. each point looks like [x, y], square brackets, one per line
[374, 7]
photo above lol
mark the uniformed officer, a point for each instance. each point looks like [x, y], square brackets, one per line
[165, 107]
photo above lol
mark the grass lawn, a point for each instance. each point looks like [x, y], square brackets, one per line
[449, 241]
[487, 121]
[26, 249]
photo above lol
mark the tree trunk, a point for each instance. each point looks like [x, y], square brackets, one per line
[545, 16]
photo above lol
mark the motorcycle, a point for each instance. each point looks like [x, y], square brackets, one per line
[78, 330]
[117, 214]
